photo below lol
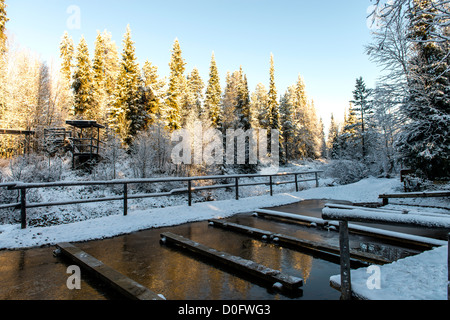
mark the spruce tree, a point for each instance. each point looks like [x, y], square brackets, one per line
[128, 114]
[196, 86]
[154, 90]
[67, 55]
[176, 81]
[82, 84]
[424, 144]
[362, 108]
[213, 95]
[273, 106]
[333, 134]
[287, 124]
[259, 110]
[3, 49]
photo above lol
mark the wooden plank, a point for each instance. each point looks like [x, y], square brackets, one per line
[416, 195]
[239, 264]
[124, 285]
[281, 239]
[344, 245]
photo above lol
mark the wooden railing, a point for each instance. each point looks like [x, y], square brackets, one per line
[23, 205]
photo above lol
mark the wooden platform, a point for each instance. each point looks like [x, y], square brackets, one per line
[243, 266]
[296, 243]
[123, 285]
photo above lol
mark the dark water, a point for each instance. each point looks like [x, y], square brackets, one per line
[36, 275]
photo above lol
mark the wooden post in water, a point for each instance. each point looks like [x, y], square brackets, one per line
[448, 269]
[346, 284]
[125, 199]
[23, 207]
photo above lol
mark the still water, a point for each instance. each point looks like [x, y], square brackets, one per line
[35, 274]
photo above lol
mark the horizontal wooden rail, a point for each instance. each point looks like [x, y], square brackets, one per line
[409, 195]
[23, 187]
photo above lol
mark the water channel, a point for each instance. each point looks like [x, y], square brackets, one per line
[35, 274]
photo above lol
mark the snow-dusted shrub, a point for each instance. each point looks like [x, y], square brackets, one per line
[346, 171]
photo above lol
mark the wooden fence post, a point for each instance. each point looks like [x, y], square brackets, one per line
[271, 186]
[448, 269]
[125, 199]
[190, 193]
[344, 244]
[296, 183]
[317, 179]
[237, 188]
[23, 207]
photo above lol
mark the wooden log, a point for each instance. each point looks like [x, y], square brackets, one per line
[239, 264]
[296, 243]
[115, 280]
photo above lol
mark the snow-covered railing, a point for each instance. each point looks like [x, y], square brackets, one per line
[358, 214]
[406, 195]
[190, 189]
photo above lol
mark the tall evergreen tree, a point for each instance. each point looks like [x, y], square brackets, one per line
[273, 106]
[176, 81]
[196, 86]
[67, 55]
[333, 134]
[362, 108]
[128, 115]
[213, 96]
[259, 110]
[3, 49]
[82, 84]
[154, 87]
[288, 127]
[425, 140]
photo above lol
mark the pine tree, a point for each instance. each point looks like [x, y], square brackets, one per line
[362, 108]
[82, 84]
[3, 49]
[243, 113]
[3, 20]
[213, 96]
[424, 143]
[128, 114]
[154, 87]
[273, 106]
[196, 86]
[333, 134]
[259, 110]
[173, 106]
[67, 55]
[287, 124]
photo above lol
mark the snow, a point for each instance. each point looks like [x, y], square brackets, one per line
[420, 277]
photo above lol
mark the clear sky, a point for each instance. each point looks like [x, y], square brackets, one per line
[323, 41]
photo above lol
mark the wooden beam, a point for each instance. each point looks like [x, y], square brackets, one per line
[123, 285]
[239, 264]
[296, 243]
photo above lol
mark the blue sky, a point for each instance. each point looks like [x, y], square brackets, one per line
[323, 41]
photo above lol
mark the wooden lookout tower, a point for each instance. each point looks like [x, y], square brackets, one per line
[85, 140]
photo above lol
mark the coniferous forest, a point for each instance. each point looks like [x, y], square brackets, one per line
[401, 123]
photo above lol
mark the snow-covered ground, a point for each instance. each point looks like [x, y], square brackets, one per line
[418, 277]
[139, 218]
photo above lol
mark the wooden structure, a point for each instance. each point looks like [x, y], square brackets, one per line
[239, 264]
[296, 243]
[85, 141]
[344, 216]
[409, 195]
[25, 146]
[23, 205]
[55, 140]
[125, 286]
